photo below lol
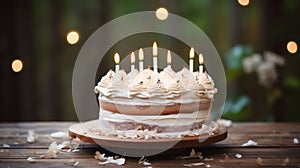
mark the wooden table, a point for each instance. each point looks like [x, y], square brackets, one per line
[275, 148]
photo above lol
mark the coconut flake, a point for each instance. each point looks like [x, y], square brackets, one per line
[59, 134]
[31, 159]
[250, 143]
[286, 161]
[194, 164]
[208, 159]
[6, 146]
[259, 161]
[224, 122]
[31, 138]
[192, 155]
[75, 164]
[238, 156]
[144, 161]
[53, 150]
[295, 141]
[69, 145]
[110, 159]
[106, 160]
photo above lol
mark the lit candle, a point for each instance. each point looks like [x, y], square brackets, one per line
[169, 58]
[141, 58]
[132, 60]
[117, 61]
[201, 64]
[192, 54]
[154, 52]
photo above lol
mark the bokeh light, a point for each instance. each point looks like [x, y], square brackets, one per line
[17, 65]
[162, 13]
[73, 37]
[244, 2]
[292, 47]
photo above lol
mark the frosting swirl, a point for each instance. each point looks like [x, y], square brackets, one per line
[166, 87]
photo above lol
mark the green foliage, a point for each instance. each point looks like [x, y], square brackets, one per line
[237, 109]
[292, 82]
[234, 59]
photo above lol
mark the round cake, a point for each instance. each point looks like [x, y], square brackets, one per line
[159, 104]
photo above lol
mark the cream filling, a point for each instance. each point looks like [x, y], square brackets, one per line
[181, 119]
[185, 98]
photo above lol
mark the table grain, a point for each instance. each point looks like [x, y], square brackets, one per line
[275, 148]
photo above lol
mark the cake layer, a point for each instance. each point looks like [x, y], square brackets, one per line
[129, 109]
[180, 120]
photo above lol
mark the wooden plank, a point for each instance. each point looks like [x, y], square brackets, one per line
[275, 143]
[217, 157]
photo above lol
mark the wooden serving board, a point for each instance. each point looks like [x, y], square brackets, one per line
[81, 130]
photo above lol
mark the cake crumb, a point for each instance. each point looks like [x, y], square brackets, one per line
[238, 156]
[295, 141]
[259, 161]
[286, 161]
[250, 143]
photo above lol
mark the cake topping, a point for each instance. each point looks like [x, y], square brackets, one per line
[164, 85]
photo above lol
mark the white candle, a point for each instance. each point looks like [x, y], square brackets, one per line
[141, 58]
[132, 61]
[201, 61]
[155, 53]
[169, 59]
[117, 61]
[192, 54]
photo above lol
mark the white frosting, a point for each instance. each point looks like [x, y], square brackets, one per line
[180, 119]
[152, 88]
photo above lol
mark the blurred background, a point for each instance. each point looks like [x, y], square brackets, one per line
[257, 39]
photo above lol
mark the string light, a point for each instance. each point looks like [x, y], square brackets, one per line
[162, 13]
[292, 47]
[244, 2]
[17, 65]
[73, 37]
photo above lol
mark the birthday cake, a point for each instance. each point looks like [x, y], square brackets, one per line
[151, 104]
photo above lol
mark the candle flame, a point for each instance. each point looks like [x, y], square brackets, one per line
[141, 54]
[169, 57]
[154, 49]
[132, 58]
[192, 53]
[117, 58]
[201, 61]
